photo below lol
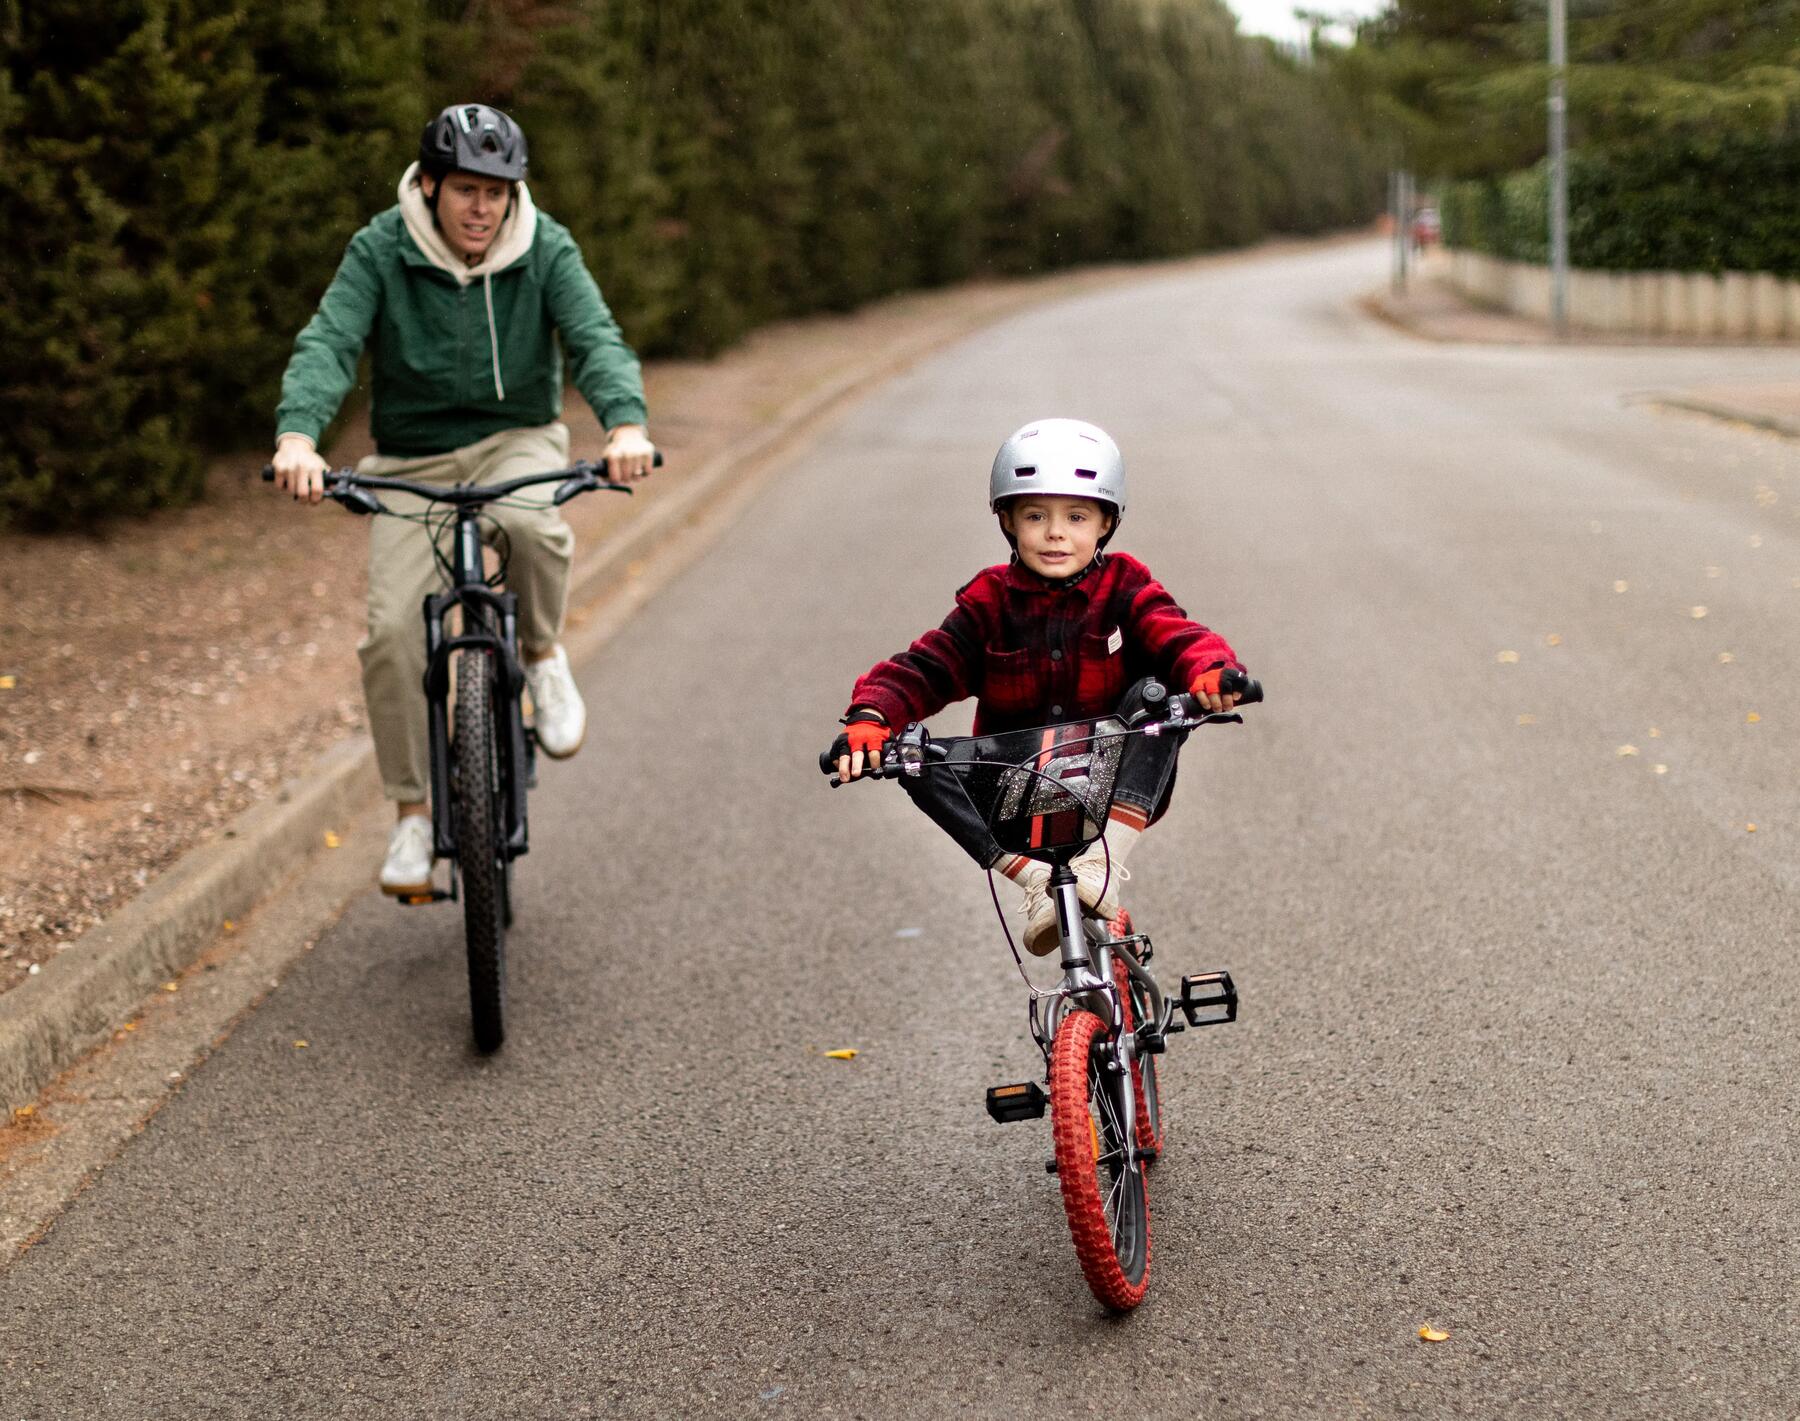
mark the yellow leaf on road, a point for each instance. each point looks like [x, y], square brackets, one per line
[847, 1054]
[299, 1045]
[22, 1113]
[1697, 613]
[331, 840]
[1506, 658]
[1662, 769]
[171, 986]
[1528, 720]
[1553, 640]
[1726, 658]
[1655, 734]
[230, 926]
[1428, 1333]
[1621, 586]
[8, 682]
[1625, 750]
[1752, 718]
[1749, 828]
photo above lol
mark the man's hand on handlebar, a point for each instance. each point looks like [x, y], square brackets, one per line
[628, 453]
[299, 469]
[859, 746]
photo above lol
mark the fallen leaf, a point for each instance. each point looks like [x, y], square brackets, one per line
[1749, 828]
[1662, 769]
[230, 926]
[1625, 750]
[1428, 1333]
[847, 1054]
[1506, 658]
[1621, 586]
[1697, 613]
[171, 986]
[331, 840]
[1752, 718]
[1655, 734]
[8, 682]
[22, 1113]
[1528, 720]
[1553, 640]
[1726, 658]
[299, 1045]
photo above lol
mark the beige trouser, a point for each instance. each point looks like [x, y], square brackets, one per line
[402, 571]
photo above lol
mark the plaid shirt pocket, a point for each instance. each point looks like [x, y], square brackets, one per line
[1100, 681]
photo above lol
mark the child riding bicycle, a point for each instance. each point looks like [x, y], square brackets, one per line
[1064, 631]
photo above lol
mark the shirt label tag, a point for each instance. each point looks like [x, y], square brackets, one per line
[1115, 641]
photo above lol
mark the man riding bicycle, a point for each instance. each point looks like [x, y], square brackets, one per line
[460, 292]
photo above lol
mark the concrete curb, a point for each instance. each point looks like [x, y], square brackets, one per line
[1719, 409]
[49, 1022]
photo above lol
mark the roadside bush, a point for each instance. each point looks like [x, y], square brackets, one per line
[182, 176]
[1689, 204]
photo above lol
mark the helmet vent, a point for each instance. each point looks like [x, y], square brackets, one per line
[1087, 473]
[1025, 471]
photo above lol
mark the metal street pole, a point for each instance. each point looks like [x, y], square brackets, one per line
[1559, 166]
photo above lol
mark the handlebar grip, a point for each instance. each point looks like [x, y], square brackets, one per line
[268, 473]
[827, 763]
[1237, 683]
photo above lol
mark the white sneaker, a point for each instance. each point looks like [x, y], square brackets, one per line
[409, 857]
[1091, 876]
[1041, 936]
[556, 706]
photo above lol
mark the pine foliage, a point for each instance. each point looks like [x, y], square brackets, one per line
[183, 175]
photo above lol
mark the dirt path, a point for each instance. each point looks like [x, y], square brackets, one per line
[159, 677]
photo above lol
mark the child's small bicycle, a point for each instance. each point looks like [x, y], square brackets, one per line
[1046, 793]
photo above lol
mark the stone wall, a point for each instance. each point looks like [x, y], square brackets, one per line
[1738, 306]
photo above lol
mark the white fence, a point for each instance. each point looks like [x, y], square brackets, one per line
[1736, 306]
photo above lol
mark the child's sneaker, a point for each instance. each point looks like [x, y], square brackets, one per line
[1040, 908]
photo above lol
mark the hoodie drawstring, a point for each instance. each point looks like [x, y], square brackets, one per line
[487, 286]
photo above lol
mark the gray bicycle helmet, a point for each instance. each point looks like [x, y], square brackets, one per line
[473, 138]
[1066, 456]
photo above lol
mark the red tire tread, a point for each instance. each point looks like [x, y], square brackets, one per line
[1077, 1172]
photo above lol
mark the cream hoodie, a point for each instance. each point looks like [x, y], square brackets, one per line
[517, 232]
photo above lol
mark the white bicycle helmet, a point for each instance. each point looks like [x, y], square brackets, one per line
[1066, 456]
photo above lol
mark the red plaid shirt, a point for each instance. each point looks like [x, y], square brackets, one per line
[1034, 651]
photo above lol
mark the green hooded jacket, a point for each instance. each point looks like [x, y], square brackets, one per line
[458, 356]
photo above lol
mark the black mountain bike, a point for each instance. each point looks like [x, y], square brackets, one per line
[483, 755]
[1046, 793]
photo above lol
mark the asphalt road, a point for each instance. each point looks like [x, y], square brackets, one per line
[1517, 1056]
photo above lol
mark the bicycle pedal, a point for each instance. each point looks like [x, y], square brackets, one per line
[1209, 999]
[416, 900]
[1006, 1103]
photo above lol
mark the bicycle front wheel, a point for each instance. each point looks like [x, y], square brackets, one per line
[480, 843]
[1104, 1197]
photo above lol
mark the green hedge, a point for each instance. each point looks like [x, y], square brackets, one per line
[1676, 205]
[182, 176]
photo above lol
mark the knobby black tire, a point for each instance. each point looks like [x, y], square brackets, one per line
[480, 852]
[1106, 1203]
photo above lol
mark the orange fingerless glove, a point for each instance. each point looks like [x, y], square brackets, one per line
[867, 736]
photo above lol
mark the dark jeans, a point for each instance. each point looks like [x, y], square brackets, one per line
[1146, 779]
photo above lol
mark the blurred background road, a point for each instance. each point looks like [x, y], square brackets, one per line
[1506, 869]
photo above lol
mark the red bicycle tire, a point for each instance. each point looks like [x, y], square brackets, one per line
[1078, 1171]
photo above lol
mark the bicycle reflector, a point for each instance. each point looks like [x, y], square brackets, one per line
[1007, 1103]
[1208, 999]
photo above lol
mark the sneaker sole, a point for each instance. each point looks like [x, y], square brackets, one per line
[563, 754]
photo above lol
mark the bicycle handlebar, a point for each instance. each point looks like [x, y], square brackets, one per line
[1184, 713]
[584, 475]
